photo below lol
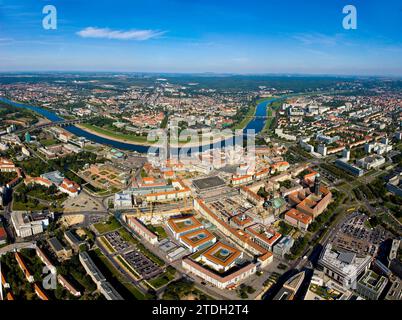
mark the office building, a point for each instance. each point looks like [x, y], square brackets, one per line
[298, 219]
[183, 225]
[371, 285]
[25, 225]
[103, 286]
[141, 229]
[371, 162]
[395, 291]
[221, 257]
[198, 240]
[350, 168]
[343, 266]
[283, 246]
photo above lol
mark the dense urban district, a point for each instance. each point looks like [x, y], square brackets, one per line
[85, 214]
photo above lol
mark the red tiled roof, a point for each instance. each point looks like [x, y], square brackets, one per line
[3, 234]
[174, 224]
[189, 237]
[217, 247]
[299, 216]
[214, 275]
[255, 231]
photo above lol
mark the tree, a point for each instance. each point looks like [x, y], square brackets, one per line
[58, 293]
[263, 193]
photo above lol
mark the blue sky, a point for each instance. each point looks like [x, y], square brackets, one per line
[249, 36]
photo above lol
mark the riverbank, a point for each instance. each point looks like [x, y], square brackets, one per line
[271, 109]
[115, 136]
[141, 140]
[140, 143]
[251, 113]
[247, 118]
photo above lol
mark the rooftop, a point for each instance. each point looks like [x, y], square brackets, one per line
[276, 203]
[221, 254]
[373, 281]
[208, 183]
[345, 261]
[184, 224]
[198, 237]
[55, 176]
[72, 237]
[299, 216]
[269, 236]
[55, 244]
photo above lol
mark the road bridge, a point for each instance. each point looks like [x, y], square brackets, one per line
[63, 123]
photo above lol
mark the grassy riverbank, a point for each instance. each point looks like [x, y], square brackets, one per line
[122, 137]
[246, 119]
[271, 108]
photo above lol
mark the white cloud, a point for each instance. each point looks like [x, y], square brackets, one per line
[318, 39]
[106, 33]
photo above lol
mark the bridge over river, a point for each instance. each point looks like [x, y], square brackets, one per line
[62, 123]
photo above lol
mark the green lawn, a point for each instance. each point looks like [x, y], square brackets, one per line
[90, 148]
[116, 135]
[110, 225]
[107, 245]
[134, 291]
[28, 206]
[164, 278]
[127, 236]
[127, 137]
[368, 224]
[160, 281]
[48, 142]
[41, 194]
[247, 118]
[285, 228]
[269, 120]
[158, 230]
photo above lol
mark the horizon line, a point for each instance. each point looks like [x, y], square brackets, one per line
[208, 73]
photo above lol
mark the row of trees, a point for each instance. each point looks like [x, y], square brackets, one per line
[6, 177]
[180, 289]
[35, 167]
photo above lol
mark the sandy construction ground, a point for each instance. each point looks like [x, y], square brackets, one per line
[72, 220]
[83, 202]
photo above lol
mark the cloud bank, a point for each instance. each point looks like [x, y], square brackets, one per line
[106, 33]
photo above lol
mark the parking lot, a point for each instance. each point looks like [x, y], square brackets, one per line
[356, 234]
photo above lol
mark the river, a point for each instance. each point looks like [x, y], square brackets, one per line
[257, 124]
[261, 111]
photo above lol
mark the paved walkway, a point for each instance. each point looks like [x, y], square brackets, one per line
[17, 246]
